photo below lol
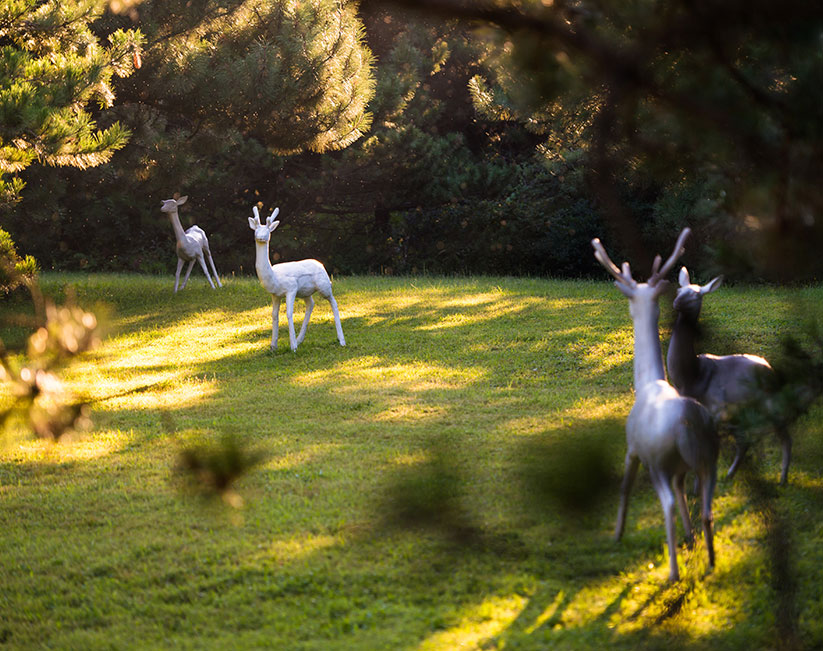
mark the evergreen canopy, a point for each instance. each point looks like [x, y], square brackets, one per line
[51, 67]
[294, 76]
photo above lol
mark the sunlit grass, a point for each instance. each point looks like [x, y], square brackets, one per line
[100, 549]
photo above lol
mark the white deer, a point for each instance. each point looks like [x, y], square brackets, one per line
[719, 382]
[192, 244]
[670, 433]
[290, 280]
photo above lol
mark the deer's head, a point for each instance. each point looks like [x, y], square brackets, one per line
[689, 296]
[262, 232]
[170, 205]
[642, 296]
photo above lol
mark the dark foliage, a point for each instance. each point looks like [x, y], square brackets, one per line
[211, 469]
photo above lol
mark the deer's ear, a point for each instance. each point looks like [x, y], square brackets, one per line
[683, 278]
[712, 285]
[253, 224]
[273, 225]
[182, 200]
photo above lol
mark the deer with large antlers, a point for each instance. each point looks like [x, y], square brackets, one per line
[721, 383]
[192, 244]
[666, 431]
[290, 280]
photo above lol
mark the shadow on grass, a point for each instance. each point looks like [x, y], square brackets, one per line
[308, 536]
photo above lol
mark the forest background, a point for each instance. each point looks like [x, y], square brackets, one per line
[442, 137]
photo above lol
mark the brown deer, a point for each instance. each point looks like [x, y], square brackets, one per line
[721, 383]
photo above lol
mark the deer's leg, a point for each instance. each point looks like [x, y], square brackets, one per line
[202, 260]
[680, 493]
[275, 320]
[290, 316]
[741, 443]
[214, 270]
[177, 275]
[629, 474]
[664, 492]
[305, 326]
[188, 272]
[708, 482]
[337, 325]
[786, 445]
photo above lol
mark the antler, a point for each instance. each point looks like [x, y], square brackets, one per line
[271, 217]
[658, 272]
[256, 214]
[623, 277]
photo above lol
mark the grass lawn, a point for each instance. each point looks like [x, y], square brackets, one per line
[99, 548]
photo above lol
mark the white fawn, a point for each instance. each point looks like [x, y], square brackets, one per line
[290, 280]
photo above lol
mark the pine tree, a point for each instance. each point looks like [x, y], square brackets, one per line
[227, 91]
[51, 67]
[293, 75]
[718, 103]
[14, 270]
[426, 148]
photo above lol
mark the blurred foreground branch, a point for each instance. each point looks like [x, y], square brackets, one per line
[36, 394]
[210, 469]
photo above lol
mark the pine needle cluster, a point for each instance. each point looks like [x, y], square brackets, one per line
[52, 66]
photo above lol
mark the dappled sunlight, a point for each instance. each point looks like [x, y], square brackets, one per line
[203, 337]
[615, 349]
[128, 323]
[643, 599]
[78, 446]
[296, 548]
[150, 370]
[634, 602]
[582, 411]
[448, 307]
[485, 308]
[409, 459]
[595, 407]
[300, 457]
[462, 381]
[358, 374]
[150, 389]
[178, 394]
[478, 624]
[410, 411]
[369, 304]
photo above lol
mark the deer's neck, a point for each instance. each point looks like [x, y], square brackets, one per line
[178, 228]
[682, 357]
[648, 359]
[265, 272]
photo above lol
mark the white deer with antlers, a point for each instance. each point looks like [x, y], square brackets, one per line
[669, 433]
[290, 280]
[719, 382]
[192, 244]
